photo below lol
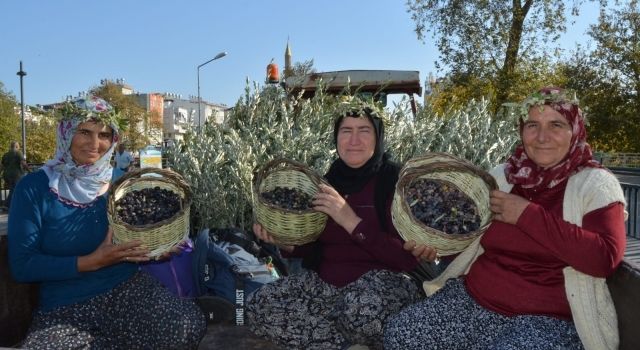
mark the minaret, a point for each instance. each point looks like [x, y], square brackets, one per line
[288, 68]
[429, 86]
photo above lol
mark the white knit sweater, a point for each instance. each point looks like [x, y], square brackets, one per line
[591, 306]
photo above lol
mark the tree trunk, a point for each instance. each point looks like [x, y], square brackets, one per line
[505, 75]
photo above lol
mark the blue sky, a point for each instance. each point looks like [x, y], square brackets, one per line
[69, 46]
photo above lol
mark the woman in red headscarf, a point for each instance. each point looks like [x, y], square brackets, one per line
[536, 278]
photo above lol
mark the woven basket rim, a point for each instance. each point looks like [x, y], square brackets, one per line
[168, 176]
[283, 164]
[289, 226]
[407, 209]
[416, 168]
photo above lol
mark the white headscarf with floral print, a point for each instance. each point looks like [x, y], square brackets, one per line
[79, 185]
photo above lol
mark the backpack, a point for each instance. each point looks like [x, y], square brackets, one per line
[225, 273]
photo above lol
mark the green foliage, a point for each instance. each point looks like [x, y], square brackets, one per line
[40, 132]
[454, 92]
[485, 41]
[303, 68]
[608, 80]
[219, 161]
[41, 139]
[9, 120]
[470, 133]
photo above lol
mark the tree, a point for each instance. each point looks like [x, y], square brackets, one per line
[40, 131]
[9, 120]
[453, 92]
[303, 68]
[608, 80]
[41, 138]
[486, 40]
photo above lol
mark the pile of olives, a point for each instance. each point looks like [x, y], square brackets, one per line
[147, 206]
[443, 207]
[288, 198]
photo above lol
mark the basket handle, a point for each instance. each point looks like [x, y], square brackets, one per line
[169, 174]
[414, 165]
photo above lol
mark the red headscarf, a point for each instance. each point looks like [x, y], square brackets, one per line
[521, 170]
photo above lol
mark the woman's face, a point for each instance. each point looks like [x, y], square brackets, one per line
[546, 136]
[90, 142]
[356, 141]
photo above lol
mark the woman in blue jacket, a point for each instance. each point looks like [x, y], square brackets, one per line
[92, 293]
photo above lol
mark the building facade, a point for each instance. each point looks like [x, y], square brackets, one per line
[180, 114]
[153, 123]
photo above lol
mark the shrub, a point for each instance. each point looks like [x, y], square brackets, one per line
[265, 123]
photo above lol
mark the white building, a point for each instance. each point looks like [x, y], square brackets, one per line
[180, 114]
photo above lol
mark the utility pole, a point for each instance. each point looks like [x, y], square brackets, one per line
[22, 73]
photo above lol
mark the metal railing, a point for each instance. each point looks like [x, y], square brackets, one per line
[627, 160]
[633, 222]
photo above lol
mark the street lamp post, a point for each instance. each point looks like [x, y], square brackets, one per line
[22, 73]
[220, 55]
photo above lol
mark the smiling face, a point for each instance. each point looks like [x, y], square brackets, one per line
[90, 142]
[356, 141]
[546, 136]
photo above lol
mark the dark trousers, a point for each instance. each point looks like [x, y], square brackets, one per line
[9, 185]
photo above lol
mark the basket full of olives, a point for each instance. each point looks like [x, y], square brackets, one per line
[150, 205]
[282, 192]
[442, 201]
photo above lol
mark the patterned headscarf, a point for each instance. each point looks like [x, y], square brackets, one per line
[521, 170]
[80, 185]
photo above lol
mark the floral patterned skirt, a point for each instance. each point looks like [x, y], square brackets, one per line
[304, 312]
[138, 314]
[450, 319]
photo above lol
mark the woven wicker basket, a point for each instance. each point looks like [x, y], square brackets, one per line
[464, 176]
[161, 236]
[287, 226]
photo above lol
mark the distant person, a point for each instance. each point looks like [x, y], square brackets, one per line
[536, 279]
[13, 168]
[92, 293]
[123, 162]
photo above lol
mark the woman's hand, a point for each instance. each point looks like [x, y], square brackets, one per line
[330, 202]
[420, 251]
[108, 254]
[265, 236]
[507, 207]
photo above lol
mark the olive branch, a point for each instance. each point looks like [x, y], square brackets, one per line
[542, 98]
[110, 117]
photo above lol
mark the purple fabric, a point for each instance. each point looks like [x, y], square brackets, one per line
[174, 274]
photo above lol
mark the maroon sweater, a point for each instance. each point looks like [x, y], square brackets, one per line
[346, 257]
[520, 271]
